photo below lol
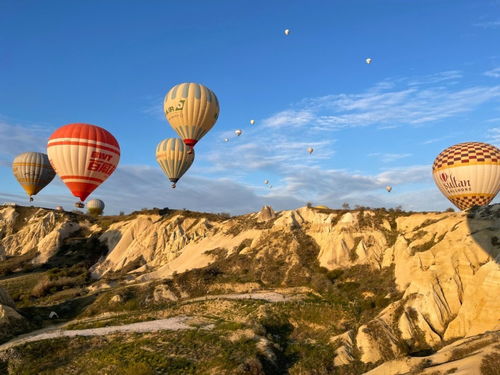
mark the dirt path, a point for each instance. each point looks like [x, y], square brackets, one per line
[173, 324]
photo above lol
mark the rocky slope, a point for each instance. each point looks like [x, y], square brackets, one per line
[445, 266]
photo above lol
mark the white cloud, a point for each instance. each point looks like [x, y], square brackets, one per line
[15, 139]
[494, 136]
[406, 101]
[489, 24]
[450, 76]
[387, 158]
[495, 73]
[289, 119]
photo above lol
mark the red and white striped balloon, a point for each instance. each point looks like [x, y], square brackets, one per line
[83, 156]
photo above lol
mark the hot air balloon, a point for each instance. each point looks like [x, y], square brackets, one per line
[368, 60]
[226, 139]
[192, 110]
[83, 156]
[95, 206]
[310, 150]
[252, 122]
[266, 181]
[174, 158]
[238, 132]
[388, 188]
[287, 31]
[468, 174]
[33, 171]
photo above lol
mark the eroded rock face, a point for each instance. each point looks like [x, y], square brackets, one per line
[151, 240]
[40, 231]
[480, 310]
[445, 264]
[344, 352]
[11, 322]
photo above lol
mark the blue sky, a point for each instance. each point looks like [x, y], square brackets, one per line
[434, 81]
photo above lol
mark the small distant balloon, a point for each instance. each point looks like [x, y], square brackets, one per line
[388, 188]
[287, 31]
[95, 207]
[310, 150]
[252, 122]
[368, 60]
[226, 139]
[238, 132]
[266, 181]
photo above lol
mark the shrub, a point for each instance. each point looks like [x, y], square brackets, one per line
[490, 364]
[460, 353]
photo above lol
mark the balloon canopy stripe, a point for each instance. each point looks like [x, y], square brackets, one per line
[87, 132]
[82, 178]
[86, 144]
[85, 140]
[466, 201]
[467, 154]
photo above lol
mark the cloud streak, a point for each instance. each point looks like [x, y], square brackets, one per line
[388, 104]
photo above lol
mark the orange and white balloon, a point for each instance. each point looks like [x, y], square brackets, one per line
[83, 156]
[468, 174]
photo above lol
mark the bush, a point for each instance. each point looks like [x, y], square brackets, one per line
[59, 279]
[490, 364]
[460, 353]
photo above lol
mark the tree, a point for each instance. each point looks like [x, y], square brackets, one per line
[309, 204]
[345, 206]
[449, 209]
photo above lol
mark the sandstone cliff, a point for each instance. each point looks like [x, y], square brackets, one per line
[445, 264]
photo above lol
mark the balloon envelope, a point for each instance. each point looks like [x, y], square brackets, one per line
[310, 150]
[33, 171]
[192, 110]
[252, 122]
[388, 188]
[83, 156]
[287, 31]
[95, 206]
[174, 158]
[468, 174]
[368, 61]
[238, 132]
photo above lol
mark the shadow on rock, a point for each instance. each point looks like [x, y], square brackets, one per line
[484, 227]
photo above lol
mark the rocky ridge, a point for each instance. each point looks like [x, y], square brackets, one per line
[445, 264]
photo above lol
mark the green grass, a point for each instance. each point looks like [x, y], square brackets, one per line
[19, 286]
[184, 352]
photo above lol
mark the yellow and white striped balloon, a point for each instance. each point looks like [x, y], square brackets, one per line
[174, 158]
[468, 174]
[192, 110]
[33, 171]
